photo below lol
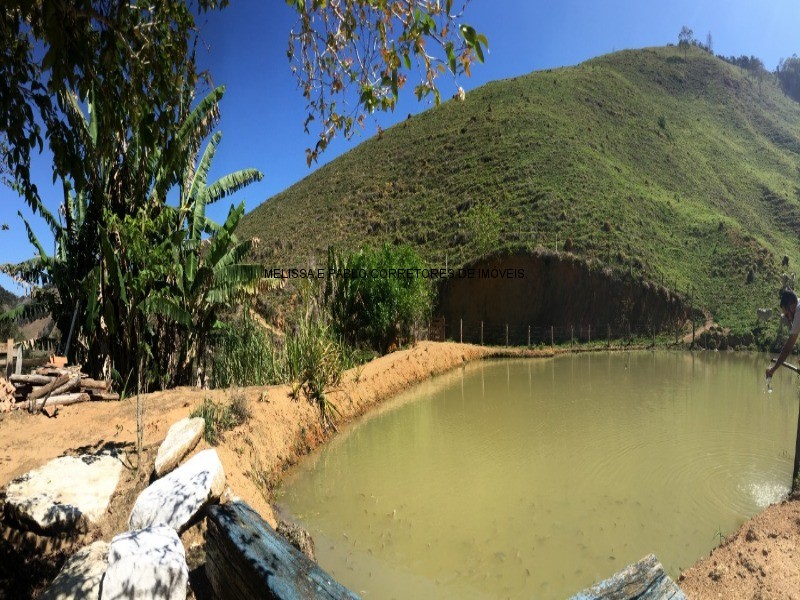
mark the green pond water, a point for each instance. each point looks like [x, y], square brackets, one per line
[536, 478]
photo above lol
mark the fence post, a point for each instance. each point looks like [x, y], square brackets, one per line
[481, 333]
[551, 336]
[461, 331]
[9, 357]
[571, 336]
[608, 335]
[529, 336]
[18, 370]
[590, 333]
[506, 334]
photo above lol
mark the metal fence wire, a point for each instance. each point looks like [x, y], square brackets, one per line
[502, 334]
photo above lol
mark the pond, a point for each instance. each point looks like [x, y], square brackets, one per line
[536, 478]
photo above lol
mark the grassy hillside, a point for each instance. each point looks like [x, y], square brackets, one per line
[7, 299]
[672, 165]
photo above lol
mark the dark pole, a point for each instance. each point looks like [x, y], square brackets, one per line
[796, 471]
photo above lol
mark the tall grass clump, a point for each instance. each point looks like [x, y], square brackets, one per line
[219, 417]
[314, 358]
[244, 354]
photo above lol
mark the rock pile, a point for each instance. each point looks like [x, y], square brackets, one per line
[149, 561]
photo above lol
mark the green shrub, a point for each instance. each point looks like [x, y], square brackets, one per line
[222, 416]
[375, 296]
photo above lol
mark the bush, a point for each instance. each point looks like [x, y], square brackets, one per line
[375, 296]
[222, 416]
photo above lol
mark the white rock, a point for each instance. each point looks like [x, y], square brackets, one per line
[181, 439]
[80, 577]
[66, 494]
[175, 498]
[146, 564]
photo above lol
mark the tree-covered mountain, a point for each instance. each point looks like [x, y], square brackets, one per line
[668, 163]
[7, 299]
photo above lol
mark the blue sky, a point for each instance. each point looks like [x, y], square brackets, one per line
[244, 48]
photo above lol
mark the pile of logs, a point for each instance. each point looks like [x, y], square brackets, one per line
[51, 386]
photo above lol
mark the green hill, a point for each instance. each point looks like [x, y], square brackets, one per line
[7, 300]
[671, 165]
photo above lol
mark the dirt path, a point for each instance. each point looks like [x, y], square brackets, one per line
[762, 560]
[687, 339]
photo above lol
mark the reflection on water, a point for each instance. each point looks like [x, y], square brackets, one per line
[535, 478]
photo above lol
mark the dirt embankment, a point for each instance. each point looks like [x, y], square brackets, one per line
[761, 560]
[280, 430]
[526, 293]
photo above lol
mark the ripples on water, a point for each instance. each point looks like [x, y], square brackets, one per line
[535, 478]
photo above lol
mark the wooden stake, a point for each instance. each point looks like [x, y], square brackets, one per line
[9, 357]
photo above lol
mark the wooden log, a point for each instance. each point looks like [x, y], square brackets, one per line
[60, 400]
[43, 391]
[30, 379]
[644, 580]
[72, 385]
[94, 384]
[247, 559]
[52, 371]
[104, 396]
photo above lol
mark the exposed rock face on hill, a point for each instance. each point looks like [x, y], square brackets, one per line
[541, 290]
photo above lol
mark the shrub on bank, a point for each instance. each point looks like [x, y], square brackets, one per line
[222, 416]
[374, 296]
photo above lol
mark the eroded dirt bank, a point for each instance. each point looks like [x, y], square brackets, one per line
[255, 454]
[761, 560]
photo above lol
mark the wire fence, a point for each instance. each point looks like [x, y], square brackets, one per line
[505, 334]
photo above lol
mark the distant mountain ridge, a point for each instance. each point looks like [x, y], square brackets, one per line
[668, 163]
[7, 299]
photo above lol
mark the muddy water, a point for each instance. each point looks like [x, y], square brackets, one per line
[533, 479]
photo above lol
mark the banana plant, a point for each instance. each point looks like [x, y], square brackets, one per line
[43, 273]
[211, 268]
[151, 279]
